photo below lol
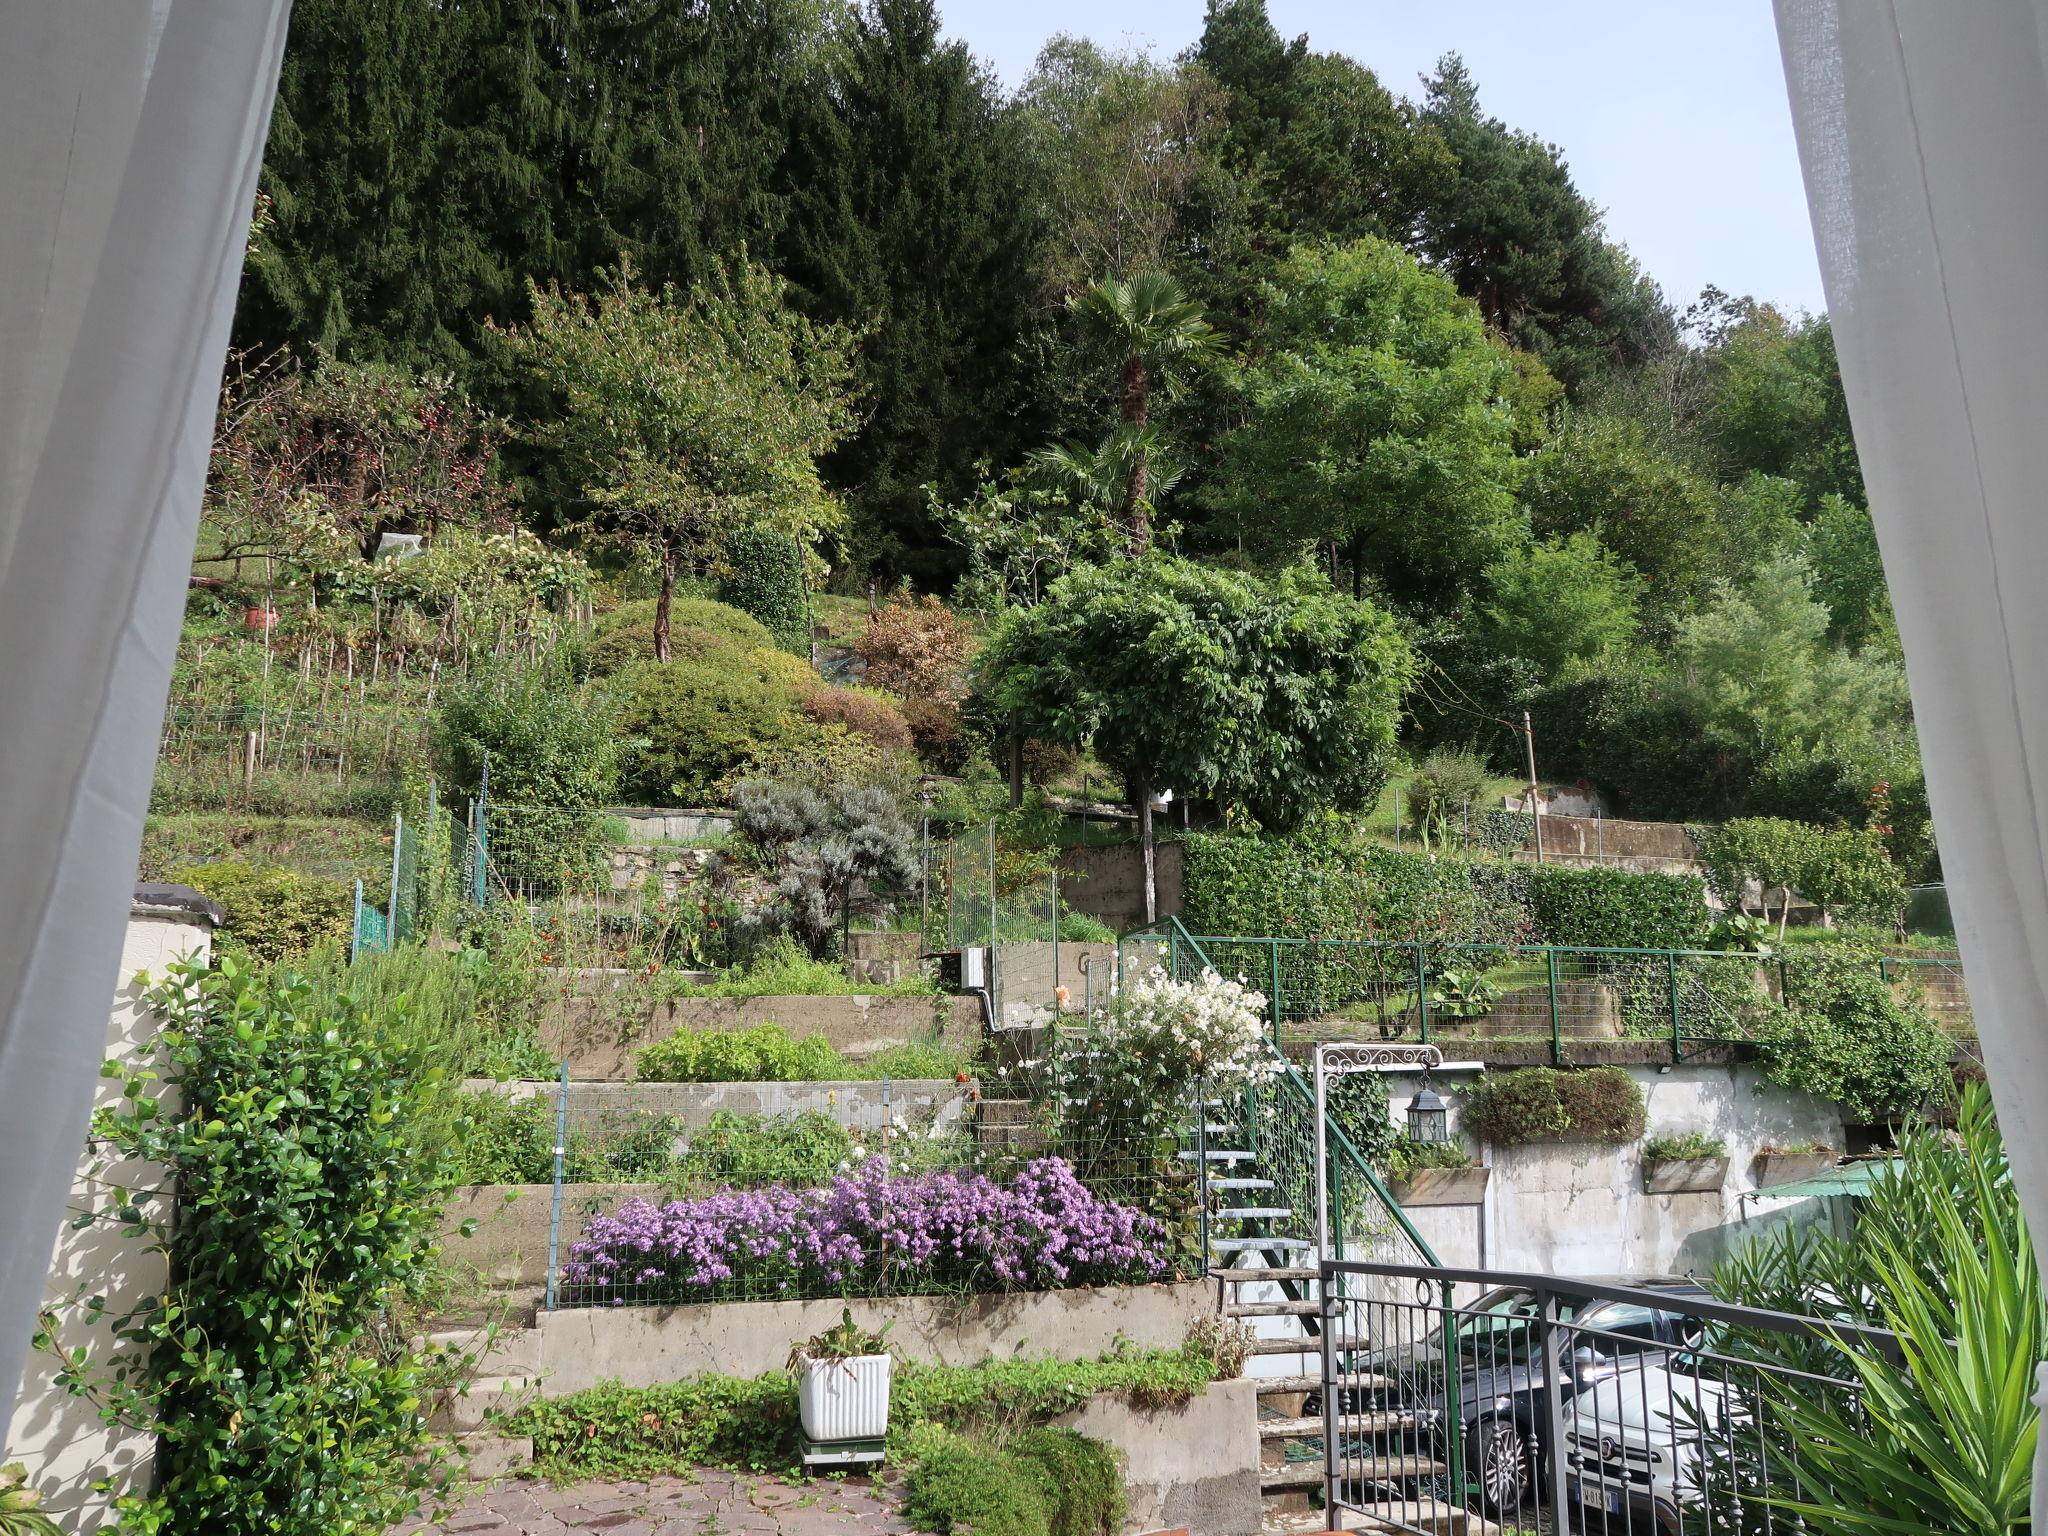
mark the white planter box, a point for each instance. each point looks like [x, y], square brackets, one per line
[844, 1399]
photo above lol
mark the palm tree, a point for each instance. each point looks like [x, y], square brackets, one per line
[1142, 324]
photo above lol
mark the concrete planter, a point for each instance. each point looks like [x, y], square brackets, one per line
[1691, 1176]
[844, 1399]
[1442, 1186]
[1775, 1168]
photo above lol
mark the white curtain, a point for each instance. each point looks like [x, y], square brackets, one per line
[1923, 132]
[130, 136]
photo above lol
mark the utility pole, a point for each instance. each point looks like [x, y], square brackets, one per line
[1535, 790]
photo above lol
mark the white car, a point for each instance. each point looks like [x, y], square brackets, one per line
[1637, 1445]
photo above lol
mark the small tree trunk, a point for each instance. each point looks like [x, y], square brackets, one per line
[1016, 762]
[661, 603]
[1146, 846]
[1135, 409]
[1358, 566]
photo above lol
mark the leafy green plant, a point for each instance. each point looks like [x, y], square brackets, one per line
[1407, 1157]
[1940, 1438]
[1548, 1104]
[1617, 908]
[273, 913]
[1463, 995]
[282, 1400]
[762, 575]
[1844, 1035]
[844, 1340]
[958, 1482]
[20, 1505]
[1741, 935]
[1441, 791]
[764, 1053]
[1684, 1147]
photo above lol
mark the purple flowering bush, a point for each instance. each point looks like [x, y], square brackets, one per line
[868, 1234]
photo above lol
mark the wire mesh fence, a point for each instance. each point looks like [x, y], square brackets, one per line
[763, 1191]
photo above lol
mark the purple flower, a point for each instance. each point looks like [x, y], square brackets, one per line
[867, 1233]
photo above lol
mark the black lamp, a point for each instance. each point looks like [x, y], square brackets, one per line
[1429, 1117]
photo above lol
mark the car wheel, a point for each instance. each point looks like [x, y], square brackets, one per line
[1497, 1459]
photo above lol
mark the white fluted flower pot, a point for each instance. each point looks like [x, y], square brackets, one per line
[844, 1399]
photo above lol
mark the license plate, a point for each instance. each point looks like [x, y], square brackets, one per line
[1616, 1498]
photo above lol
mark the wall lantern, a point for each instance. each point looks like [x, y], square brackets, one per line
[1429, 1118]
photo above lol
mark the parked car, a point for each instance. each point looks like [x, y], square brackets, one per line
[1500, 1416]
[1637, 1444]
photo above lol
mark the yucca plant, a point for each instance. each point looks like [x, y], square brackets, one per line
[1939, 1441]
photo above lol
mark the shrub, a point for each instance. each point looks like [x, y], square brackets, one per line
[553, 759]
[1684, 1147]
[941, 740]
[697, 626]
[1548, 1104]
[1845, 1036]
[1086, 1478]
[274, 914]
[764, 1053]
[958, 1483]
[1448, 781]
[917, 648]
[864, 713]
[804, 1148]
[1406, 1157]
[1618, 909]
[1844, 870]
[764, 579]
[695, 728]
[306, 1216]
[834, 852]
[869, 1234]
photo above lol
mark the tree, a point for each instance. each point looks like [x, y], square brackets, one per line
[1375, 421]
[1143, 327]
[684, 416]
[1848, 572]
[1778, 408]
[914, 218]
[1514, 233]
[1561, 601]
[1279, 699]
[1607, 476]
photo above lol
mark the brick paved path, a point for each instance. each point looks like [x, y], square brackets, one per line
[716, 1504]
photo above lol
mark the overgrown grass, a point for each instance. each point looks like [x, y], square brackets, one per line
[750, 1424]
[780, 971]
[339, 847]
[767, 1053]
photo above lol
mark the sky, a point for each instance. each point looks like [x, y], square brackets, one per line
[1671, 115]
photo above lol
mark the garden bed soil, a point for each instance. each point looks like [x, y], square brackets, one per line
[598, 1036]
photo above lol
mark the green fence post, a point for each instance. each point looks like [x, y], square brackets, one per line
[1273, 998]
[1883, 970]
[1422, 992]
[1677, 1027]
[1556, 1024]
[397, 848]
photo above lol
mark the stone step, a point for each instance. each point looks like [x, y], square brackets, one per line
[1259, 1244]
[1307, 1474]
[1254, 1273]
[1235, 1183]
[487, 1456]
[1435, 1517]
[1273, 1386]
[474, 1407]
[1354, 1424]
[499, 1352]
[1273, 1309]
[1214, 1157]
[1255, 1212]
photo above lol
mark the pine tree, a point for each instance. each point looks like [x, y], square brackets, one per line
[911, 219]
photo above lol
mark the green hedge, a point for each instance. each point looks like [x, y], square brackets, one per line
[1618, 909]
[764, 579]
[1320, 886]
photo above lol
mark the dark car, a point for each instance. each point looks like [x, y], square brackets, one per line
[1500, 1418]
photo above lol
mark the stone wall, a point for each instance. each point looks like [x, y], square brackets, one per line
[860, 1104]
[1579, 1208]
[644, 1345]
[658, 824]
[1108, 882]
[599, 1034]
[58, 1437]
[1194, 1467]
[1656, 846]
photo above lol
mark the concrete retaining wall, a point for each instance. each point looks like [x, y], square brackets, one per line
[1108, 882]
[644, 1345]
[858, 1104]
[510, 1245]
[1026, 975]
[1195, 1466]
[658, 824]
[599, 1034]
[1579, 1208]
